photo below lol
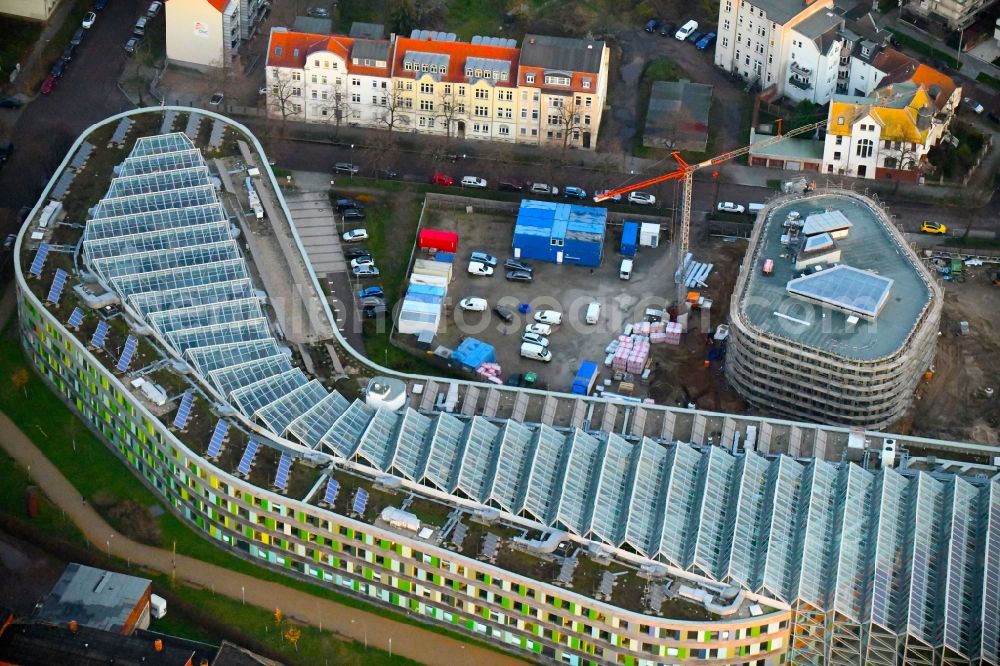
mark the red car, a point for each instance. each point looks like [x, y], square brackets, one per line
[442, 179]
[48, 84]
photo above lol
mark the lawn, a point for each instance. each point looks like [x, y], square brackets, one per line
[18, 36]
[95, 471]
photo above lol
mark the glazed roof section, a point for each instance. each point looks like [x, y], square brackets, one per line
[766, 303]
[795, 531]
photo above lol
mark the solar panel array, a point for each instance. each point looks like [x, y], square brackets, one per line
[332, 488]
[38, 263]
[58, 284]
[360, 501]
[218, 437]
[100, 334]
[246, 462]
[184, 410]
[128, 352]
[284, 469]
[75, 318]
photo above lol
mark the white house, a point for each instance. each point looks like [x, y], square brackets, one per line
[814, 58]
[206, 34]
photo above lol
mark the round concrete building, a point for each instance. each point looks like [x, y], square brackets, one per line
[834, 318]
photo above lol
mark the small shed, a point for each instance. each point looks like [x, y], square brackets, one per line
[560, 233]
[430, 267]
[438, 240]
[649, 234]
[630, 239]
[677, 116]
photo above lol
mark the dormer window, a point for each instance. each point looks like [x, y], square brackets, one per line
[529, 78]
[295, 53]
[277, 50]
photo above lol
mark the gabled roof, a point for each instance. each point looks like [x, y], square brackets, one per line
[902, 111]
[290, 49]
[889, 60]
[562, 53]
[453, 56]
[940, 86]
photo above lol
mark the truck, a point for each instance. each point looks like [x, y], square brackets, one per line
[586, 376]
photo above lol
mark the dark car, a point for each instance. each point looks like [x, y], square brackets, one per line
[514, 380]
[705, 41]
[517, 265]
[511, 185]
[390, 173]
[6, 148]
[694, 37]
[353, 214]
[355, 252]
[519, 276]
[100, 4]
[652, 24]
[58, 69]
[68, 53]
[375, 311]
[11, 103]
[77, 37]
[505, 314]
[344, 204]
[131, 45]
[668, 29]
[371, 292]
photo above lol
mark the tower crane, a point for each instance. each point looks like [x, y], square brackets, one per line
[686, 172]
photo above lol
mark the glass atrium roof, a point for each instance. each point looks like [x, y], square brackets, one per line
[846, 288]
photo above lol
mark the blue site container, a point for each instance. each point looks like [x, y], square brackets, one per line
[630, 239]
[560, 233]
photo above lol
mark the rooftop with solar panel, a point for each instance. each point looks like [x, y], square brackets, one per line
[830, 273]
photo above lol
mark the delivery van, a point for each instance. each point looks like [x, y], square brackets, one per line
[625, 272]
[754, 208]
[536, 352]
[593, 313]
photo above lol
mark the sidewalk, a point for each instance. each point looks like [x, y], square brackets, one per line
[407, 640]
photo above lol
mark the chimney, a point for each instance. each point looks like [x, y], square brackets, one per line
[531, 41]
[158, 645]
[73, 626]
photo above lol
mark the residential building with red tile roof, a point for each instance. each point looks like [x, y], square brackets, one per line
[205, 34]
[327, 78]
[563, 85]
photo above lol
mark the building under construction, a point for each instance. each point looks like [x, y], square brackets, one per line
[833, 319]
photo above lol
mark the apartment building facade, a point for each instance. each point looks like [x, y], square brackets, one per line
[953, 14]
[206, 34]
[551, 92]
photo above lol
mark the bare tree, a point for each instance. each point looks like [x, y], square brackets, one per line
[396, 111]
[570, 121]
[282, 90]
[336, 107]
[382, 147]
[450, 110]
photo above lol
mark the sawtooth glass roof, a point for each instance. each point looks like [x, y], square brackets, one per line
[909, 553]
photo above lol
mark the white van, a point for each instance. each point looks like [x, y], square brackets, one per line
[536, 352]
[593, 313]
[754, 208]
[625, 272]
[686, 30]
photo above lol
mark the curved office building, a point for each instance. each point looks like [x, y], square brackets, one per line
[834, 319]
[142, 308]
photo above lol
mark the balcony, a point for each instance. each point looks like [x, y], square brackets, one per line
[799, 83]
[800, 70]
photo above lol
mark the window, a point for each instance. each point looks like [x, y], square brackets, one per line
[553, 80]
[355, 82]
[426, 88]
[314, 78]
[865, 148]
[461, 91]
[482, 111]
[534, 114]
[524, 113]
[356, 98]
[836, 156]
[426, 105]
[374, 100]
[840, 140]
[589, 100]
[315, 63]
[554, 120]
[586, 84]
[296, 76]
[482, 93]
[504, 130]
[447, 89]
[725, 42]
[296, 92]
[315, 94]
[529, 77]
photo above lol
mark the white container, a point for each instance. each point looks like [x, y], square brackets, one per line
[157, 606]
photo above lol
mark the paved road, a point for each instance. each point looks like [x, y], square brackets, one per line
[407, 640]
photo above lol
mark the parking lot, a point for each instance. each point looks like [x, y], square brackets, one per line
[566, 288]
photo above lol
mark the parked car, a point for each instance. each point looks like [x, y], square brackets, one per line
[346, 167]
[100, 5]
[344, 204]
[553, 317]
[139, 29]
[542, 188]
[641, 198]
[505, 314]
[474, 181]
[372, 300]
[613, 197]
[575, 192]
[390, 174]
[706, 41]
[131, 45]
[994, 118]
[537, 328]
[366, 271]
[442, 179]
[694, 37]
[473, 304]
[319, 12]
[48, 84]
[355, 235]
[362, 261]
[154, 9]
[652, 24]
[88, 20]
[519, 276]
[668, 29]
[730, 207]
[6, 148]
[353, 214]
[929, 227]
[355, 252]
[479, 268]
[517, 265]
[973, 104]
[686, 30]
[78, 36]
[68, 53]
[535, 339]
[58, 69]
[511, 185]
[371, 292]
[374, 311]
[483, 258]
[11, 103]
[8, 241]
